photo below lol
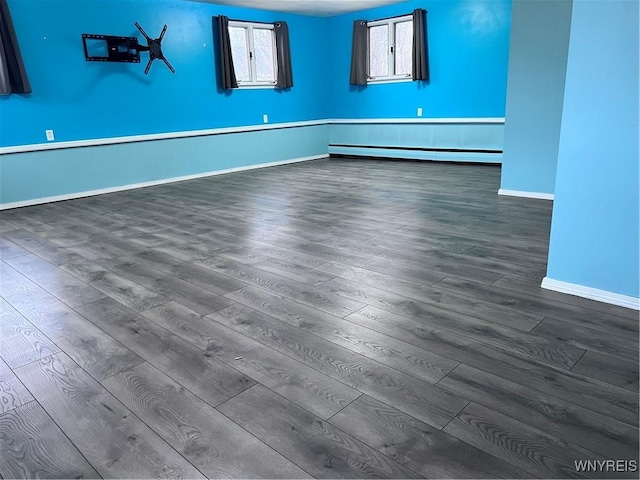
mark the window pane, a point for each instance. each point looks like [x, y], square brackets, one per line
[378, 51]
[240, 52]
[404, 47]
[263, 43]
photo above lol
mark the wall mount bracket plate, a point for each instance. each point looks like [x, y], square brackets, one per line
[112, 48]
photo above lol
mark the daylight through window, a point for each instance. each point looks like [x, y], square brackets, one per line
[254, 53]
[390, 49]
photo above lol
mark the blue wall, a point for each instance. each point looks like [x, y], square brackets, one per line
[468, 49]
[594, 234]
[537, 70]
[81, 100]
[468, 52]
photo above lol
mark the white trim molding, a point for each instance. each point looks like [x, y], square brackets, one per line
[94, 142]
[90, 193]
[155, 136]
[591, 293]
[481, 120]
[520, 193]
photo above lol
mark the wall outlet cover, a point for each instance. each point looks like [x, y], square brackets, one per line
[419, 111]
[50, 136]
[265, 118]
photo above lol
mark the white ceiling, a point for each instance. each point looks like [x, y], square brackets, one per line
[309, 7]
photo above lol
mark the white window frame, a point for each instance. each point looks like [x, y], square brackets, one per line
[391, 54]
[249, 27]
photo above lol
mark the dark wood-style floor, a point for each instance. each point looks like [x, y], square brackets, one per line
[330, 319]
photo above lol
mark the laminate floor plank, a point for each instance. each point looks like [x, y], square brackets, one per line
[569, 422]
[206, 278]
[13, 393]
[597, 320]
[156, 260]
[65, 237]
[415, 397]
[102, 246]
[21, 342]
[511, 255]
[424, 307]
[291, 270]
[559, 382]
[589, 339]
[416, 445]
[533, 288]
[112, 439]
[391, 239]
[536, 452]
[218, 447]
[511, 235]
[312, 296]
[254, 250]
[424, 293]
[190, 251]
[523, 343]
[169, 287]
[10, 250]
[416, 232]
[63, 285]
[446, 261]
[381, 348]
[500, 262]
[23, 221]
[6, 226]
[609, 369]
[383, 261]
[33, 446]
[90, 347]
[118, 287]
[195, 369]
[318, 447]
[44, 249]
[13, 283]
[314, 391]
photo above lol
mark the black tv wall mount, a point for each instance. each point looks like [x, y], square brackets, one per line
[124, 49]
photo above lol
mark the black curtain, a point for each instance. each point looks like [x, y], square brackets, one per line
[225, 57]
[283, 53]
[420, 51]
[359, 53]
[13, 77]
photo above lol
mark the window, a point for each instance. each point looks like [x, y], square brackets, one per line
[390, 44]
[253, 48]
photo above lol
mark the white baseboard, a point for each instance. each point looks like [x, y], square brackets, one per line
[90, 193]
[520, 193]
[591, 293]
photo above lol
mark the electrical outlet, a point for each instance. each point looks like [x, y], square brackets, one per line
[50, 136]
[419, 111]
[265, 118]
